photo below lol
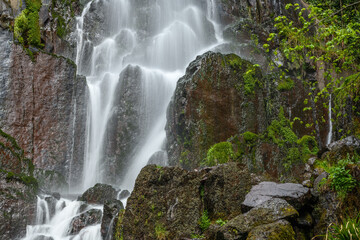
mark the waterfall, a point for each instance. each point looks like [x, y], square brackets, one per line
[158, 39]
[57, 225]
[122, 43]
[329, 137]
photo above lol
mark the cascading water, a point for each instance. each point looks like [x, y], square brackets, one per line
[329, 137]
[156, 39]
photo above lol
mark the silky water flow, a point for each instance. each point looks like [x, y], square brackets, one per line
[155, 40]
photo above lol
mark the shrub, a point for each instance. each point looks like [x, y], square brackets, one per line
[340, 180]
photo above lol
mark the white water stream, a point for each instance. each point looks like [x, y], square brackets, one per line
[329, 137]
[161, 37]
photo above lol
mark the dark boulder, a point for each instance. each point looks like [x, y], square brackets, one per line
[111, 210]
[98, 194]
[174, 199]
[296, 194]
[124, 194]
[88, 218]
[163, 198]
[225, 187]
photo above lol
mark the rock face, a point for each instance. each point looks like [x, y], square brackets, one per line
[18, 189]
[223, 96]
[42, 104]
[206, 108]
[172, 200]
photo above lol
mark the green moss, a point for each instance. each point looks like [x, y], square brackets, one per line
[160, 232]
[297, 150]
[250, 81]
[280, 130]
[250, 137]
[234, 61]
[118, 231]
[219, 153]
[286, 84]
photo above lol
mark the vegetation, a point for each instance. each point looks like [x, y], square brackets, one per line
[160, 231]
[219, 153]
[221, 222]
[340, 180]
[204, 221]
[325, 37]
[26, 26]
[348, 229]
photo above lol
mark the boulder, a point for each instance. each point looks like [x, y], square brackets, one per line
[340, 149]
[225, 187]
[296, 194]
[88, 218]
[111, 210]
[280, 230]
[123, 194]
[158, 158]
[174, 199]
[268, 212]
[163, 198]
[98, 194]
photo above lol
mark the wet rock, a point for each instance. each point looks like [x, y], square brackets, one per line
[124, 194]
[268, 212]
[159, 158]
[37, 107]
[280, 230]
[111, 210]
[122, 140]
[88, 218]
[51, 202]
[43, 238]
[56, 195]
[51, 180]
[296, 194]
[98, 194]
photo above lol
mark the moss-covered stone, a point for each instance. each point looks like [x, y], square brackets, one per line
[280, 230]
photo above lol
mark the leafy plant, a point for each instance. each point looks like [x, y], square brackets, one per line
[221, 222]
[349, 229]
[340, 180]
